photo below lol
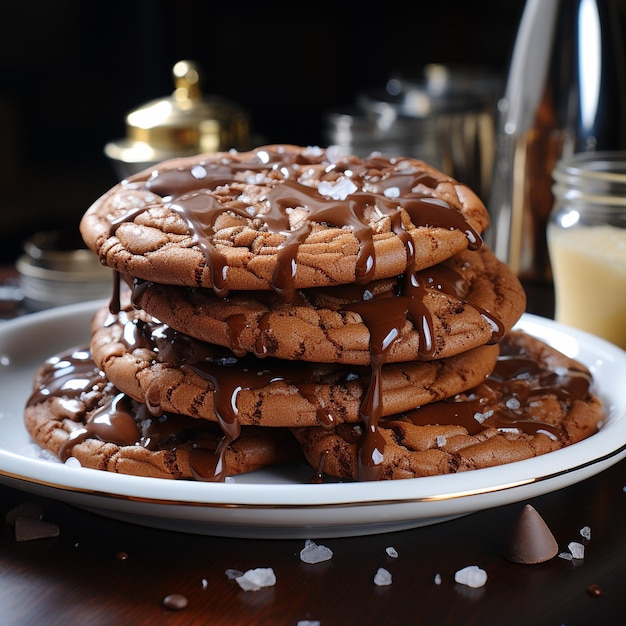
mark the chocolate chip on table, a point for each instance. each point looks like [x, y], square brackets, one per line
[28, 509]
[28, 529]
[530, 540]
[175, 601]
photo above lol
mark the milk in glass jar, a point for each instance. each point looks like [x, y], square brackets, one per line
[587, 243]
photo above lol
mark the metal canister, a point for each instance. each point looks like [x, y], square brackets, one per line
[183, 124]
[56, 269]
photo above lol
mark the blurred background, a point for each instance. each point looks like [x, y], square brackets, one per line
[71, 70]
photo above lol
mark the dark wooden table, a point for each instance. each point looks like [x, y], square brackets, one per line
[101, 571]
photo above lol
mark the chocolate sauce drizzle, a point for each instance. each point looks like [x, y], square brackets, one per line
[504, 400]
[191, 192]
[109, 415]
[379, 186]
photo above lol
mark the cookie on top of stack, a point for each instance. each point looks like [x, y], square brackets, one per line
[303, 303]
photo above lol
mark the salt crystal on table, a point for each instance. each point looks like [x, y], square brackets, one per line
[231, 574]
[567, 556]
[308, 622]
[382, 577]
[312, 553]
[577, 549]
[472, 576]
[392, 552]
[585, 532]
[437, 579]
[255, 579]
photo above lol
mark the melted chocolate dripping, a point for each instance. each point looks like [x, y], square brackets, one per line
[73, 379]
[190, 192]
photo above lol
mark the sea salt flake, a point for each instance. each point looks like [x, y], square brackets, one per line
[255, 579]
[513, 404]
[198, 171]
[406, 166]
[255, 179]
[441, 441]
[437, 579]
[313, 553]
[392, 192]
[382, 577]
[567, 556]
[339, 191]
[334, 154]
[577, 549]
[481, 417]
[392, 552]
[316, 150]
[472, 576]
[585, 532]
[231, 574]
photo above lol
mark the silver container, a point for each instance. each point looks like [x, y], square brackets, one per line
[54, 270]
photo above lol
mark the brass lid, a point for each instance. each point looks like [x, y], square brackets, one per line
[182, 124]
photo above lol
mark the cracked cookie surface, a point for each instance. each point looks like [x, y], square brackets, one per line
[160, 366]
[282, 217]
[536, 401]
[75, 411]
[455, 304]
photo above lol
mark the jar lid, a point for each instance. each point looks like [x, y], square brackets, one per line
[182, 124]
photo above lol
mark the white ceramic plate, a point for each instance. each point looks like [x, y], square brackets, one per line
[285, 503]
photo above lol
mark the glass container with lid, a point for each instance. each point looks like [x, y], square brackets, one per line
[565, 94]
[586, 236]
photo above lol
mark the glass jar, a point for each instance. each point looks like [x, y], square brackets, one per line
[586, 236]
[565, 94]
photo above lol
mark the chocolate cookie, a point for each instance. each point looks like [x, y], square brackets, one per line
[173, 372]
[469, 300]
[535, 401]
[75, 411]
[283, 218]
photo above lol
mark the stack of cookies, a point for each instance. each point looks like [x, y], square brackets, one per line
[297, 303]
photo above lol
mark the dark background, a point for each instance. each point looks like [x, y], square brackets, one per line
[70, 70]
